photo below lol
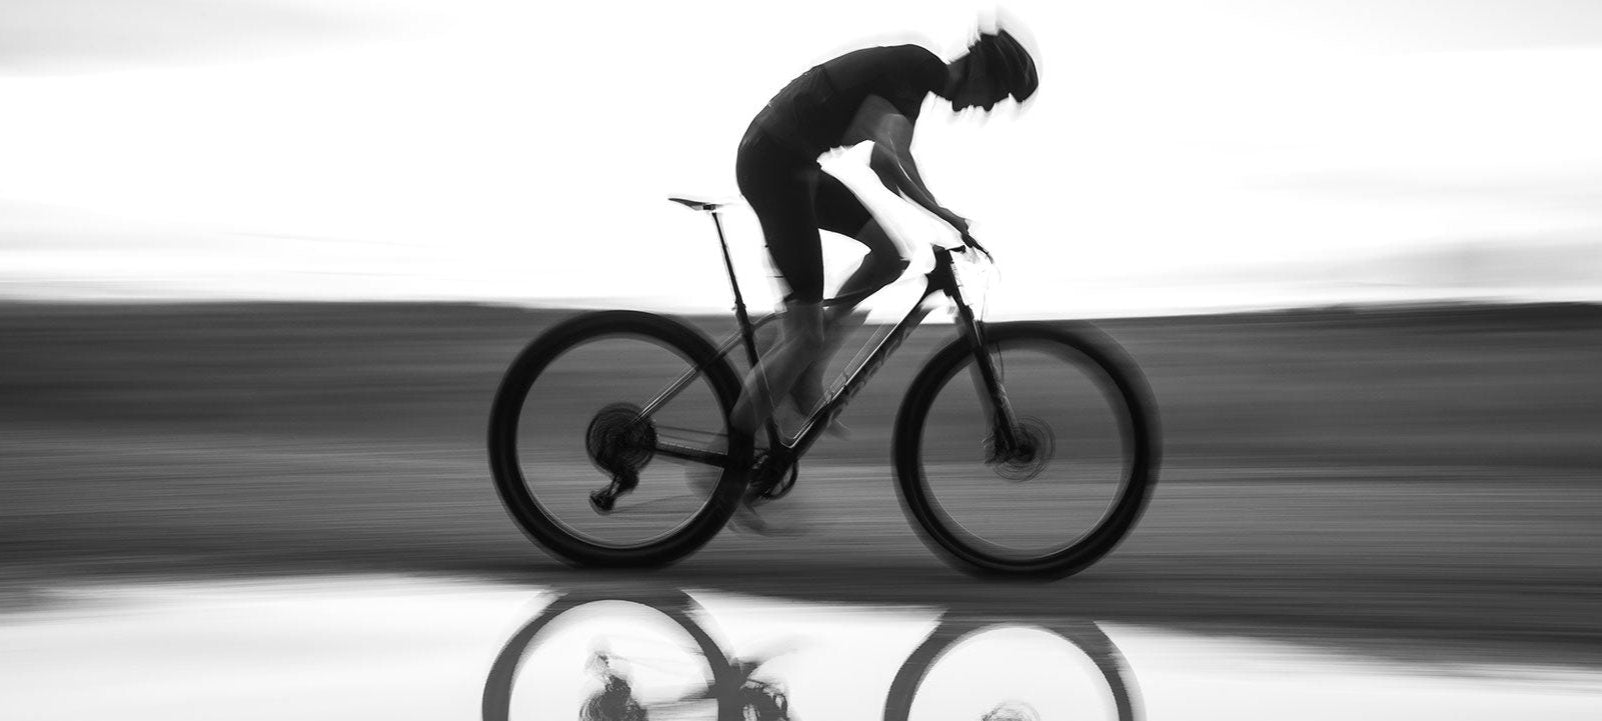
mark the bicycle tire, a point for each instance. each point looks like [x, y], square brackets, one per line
[507, 409]
[1125, 390]
[677, 606]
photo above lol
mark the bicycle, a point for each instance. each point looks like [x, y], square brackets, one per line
[945, 441]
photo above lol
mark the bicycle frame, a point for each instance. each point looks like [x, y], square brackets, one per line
[940, 280]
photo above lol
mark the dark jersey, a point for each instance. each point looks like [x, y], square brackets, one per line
[812, 113]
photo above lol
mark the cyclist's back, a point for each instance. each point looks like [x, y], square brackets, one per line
[814, 111]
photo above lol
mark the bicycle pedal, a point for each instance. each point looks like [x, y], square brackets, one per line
[767, 483]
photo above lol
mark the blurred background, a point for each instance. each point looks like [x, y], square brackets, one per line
[263, 263]
[1180, 157]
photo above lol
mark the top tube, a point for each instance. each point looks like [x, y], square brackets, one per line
[943, 255]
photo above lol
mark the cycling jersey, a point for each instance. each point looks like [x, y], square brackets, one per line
[812, 113]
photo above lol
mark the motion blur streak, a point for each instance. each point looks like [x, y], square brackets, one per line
[1426, 473]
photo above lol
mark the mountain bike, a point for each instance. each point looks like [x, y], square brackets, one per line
[610, 441]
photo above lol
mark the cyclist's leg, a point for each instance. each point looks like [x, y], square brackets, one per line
[882, 266]
[781, 367]
[839, 211]
[780, 185]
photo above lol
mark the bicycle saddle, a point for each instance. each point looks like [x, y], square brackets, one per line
[694, 204]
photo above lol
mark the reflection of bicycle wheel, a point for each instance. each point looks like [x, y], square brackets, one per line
[679, 610]
[954, 632]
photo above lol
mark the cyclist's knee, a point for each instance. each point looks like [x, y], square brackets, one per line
[887, 269]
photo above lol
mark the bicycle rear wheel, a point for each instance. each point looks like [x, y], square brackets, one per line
[1066, 499]
[608, 440]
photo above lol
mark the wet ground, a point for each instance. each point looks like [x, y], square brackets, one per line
[396, 647]
[285, 511]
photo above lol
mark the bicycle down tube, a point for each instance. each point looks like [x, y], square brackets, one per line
[940, 280]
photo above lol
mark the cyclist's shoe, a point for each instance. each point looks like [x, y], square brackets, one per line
[703, 479]
[748, 518]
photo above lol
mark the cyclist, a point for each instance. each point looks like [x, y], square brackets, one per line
[870, 95]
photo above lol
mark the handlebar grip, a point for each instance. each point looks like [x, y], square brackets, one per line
[969, 241]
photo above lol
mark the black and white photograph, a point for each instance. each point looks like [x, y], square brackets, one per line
[834, 360]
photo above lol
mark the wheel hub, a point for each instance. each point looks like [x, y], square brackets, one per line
[1031, 452]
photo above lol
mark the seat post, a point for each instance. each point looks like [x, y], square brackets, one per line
[746, 333]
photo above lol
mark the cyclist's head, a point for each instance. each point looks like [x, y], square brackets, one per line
[995, 67]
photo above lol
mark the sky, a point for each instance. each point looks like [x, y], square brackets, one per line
[1180, 156]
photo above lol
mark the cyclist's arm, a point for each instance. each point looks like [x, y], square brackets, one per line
[892, 161]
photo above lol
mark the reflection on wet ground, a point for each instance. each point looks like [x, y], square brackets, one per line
[404, 648]
[991, 655]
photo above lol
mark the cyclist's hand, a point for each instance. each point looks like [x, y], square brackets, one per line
[968, 240]
[961, 225]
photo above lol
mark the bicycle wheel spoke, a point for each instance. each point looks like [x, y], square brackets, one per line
[583, 431]
[1021, 506]
[1048, 492]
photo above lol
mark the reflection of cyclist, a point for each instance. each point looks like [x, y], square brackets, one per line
[866, 95]
[1011, 711]
[732, 686]
[615, 700]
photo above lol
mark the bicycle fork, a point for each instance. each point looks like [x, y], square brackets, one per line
[1007, 442]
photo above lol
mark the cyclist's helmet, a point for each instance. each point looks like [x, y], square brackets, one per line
[996, 67]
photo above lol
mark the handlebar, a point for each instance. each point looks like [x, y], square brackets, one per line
[968, 241]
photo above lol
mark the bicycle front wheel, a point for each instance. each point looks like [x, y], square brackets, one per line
[609, 440]
[1084, 468]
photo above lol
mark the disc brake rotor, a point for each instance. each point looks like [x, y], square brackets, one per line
[1035, 448]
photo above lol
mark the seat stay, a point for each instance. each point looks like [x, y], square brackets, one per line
[671, 392]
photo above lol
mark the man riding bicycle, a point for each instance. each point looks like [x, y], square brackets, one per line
[870, 95]
[1069, 378]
